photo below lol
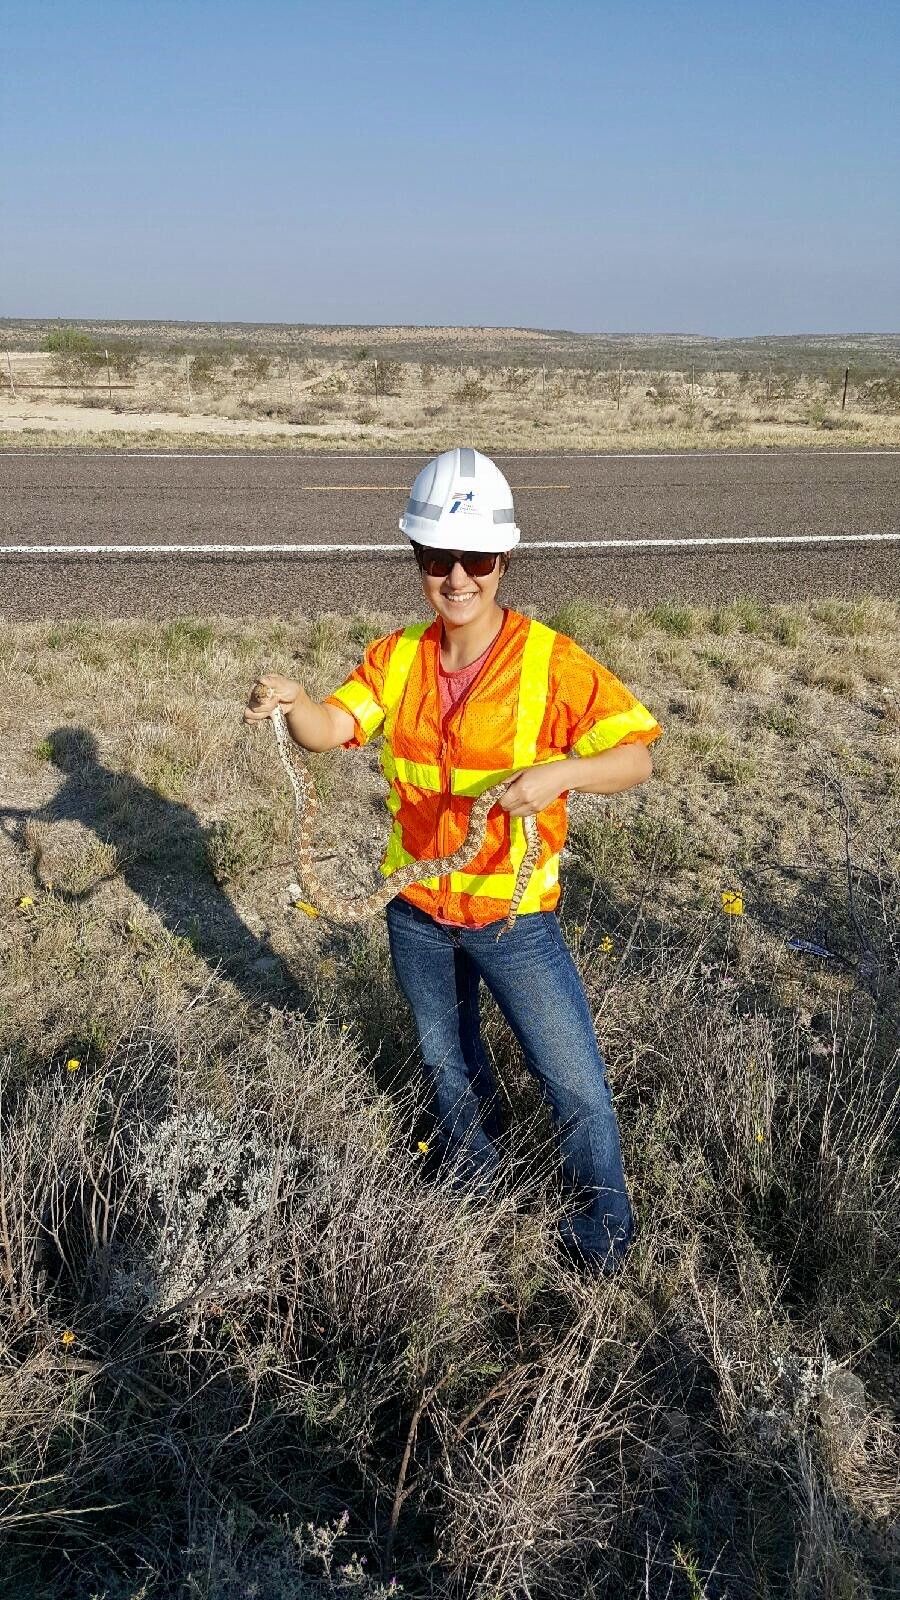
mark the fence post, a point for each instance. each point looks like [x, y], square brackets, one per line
[12, 387]
[844, 395]
[290, 380]
[187, 379]
[375, 365]
[619, 390]
[108, 378]
[543, 387]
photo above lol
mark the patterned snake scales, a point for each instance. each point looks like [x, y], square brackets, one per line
[342, 909]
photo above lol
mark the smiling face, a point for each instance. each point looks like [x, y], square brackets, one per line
[460, 598]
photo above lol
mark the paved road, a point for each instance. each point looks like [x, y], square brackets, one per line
[121, 500]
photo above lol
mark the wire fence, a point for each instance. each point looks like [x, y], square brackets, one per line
[288, 380]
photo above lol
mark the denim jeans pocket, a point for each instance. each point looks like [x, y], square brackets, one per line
[540, 937]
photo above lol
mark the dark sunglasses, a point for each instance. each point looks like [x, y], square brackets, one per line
[440, 563]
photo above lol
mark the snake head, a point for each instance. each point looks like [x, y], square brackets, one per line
[260, 693]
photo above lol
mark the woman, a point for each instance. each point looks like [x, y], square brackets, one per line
[482, 693]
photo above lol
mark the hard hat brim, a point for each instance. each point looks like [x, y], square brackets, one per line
[443, 536]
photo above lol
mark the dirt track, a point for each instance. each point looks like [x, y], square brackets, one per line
[233, 500]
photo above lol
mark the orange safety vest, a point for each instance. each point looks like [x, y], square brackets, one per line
[539, 697]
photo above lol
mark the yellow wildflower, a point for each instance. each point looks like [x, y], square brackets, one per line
[73, 1064]
[26, 903]
[67, 1338]
[606, 943]
[760, 1136]
[732, 903]
[304, 905]
[422, 1147]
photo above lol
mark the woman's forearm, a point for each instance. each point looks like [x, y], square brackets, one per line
[610, 772]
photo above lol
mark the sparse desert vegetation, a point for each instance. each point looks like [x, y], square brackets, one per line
[421, 389]
[250, 1344]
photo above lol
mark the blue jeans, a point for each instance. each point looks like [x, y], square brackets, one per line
[535, 982]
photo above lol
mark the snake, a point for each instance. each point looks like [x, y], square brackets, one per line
[351, 909]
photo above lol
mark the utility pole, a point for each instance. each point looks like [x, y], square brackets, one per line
[844, 395]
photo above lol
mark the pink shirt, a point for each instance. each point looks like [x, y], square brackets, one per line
[454, 686]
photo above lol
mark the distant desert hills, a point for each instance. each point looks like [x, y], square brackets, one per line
[518, 346]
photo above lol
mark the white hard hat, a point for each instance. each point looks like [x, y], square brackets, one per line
[461, 501]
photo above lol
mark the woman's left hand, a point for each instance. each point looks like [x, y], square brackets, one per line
[534, 788]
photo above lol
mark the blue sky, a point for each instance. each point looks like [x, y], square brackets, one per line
[626, 167]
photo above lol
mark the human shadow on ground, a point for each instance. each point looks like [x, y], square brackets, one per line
[162, 856]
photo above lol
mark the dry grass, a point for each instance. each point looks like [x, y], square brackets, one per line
[268, 398]
[247, 1341]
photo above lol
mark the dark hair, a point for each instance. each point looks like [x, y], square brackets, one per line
[419, 550]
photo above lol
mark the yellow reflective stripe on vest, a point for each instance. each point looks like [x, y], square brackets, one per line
[421, 774]
[400, 664]
[500, 885]
[534, 680]
[490, 885]
[466, 782]
[603, 735]
[358, 701]
[472, 781]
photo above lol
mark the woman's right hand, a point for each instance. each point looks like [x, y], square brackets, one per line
[269, 691]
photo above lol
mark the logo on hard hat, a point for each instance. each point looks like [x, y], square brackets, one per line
[462, 501]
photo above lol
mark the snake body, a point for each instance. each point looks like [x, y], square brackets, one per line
[344, 909]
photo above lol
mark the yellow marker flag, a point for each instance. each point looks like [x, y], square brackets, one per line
[732, 903]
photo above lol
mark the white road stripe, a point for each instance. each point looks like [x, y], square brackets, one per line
[403, 550]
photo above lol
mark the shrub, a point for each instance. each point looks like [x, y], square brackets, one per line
[880, 394]
[69, 341]
[78, 368]
[390, 377]
[123, 358]
[333, 383]
[254, 368]
[679, 621]
[472, 391]
[207, 366]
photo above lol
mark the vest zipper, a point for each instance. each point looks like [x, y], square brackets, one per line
[457, 713]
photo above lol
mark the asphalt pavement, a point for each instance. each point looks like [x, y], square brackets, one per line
[635, 528]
